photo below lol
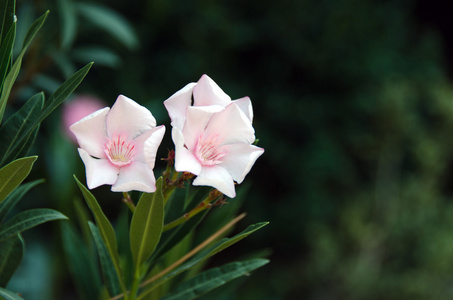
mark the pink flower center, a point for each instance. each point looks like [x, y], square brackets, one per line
[209, 151]
[119, 150]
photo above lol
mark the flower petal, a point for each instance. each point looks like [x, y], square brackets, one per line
[232, 125]
[98, 171]
[240, 160]
[147, 144]
[245, 104]
[196, 120]
[176, 105]
[128, 117]
[185, 161]
[217, 177]
[207, 92]
[137, 176]
[91, 133]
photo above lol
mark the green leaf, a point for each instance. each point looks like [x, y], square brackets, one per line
[18, 125]
[172, 238]
[213, 278]
[105, 229]
[109, 21]
[28, 219]
[63, 92]
[11, 253]
[68, 21]
[10, 202]
[108, 269]
[100, 55]
[9, 295]
[83, 267]
[24, 151]
[146, 225]
[205, 254]
[6, 51]
[8, 17]
[54, 100]
[217, 247]
[227, 242]
[13, 174]
[12, 75]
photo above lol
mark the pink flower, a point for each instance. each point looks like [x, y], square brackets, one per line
[205, 93]
[76, 109]
[118, 146]
[214, 142]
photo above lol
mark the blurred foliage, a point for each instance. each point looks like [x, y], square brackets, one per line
[354, 108]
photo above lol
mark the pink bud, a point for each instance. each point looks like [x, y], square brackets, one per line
[76, 109]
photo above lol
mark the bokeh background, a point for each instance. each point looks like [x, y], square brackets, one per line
[353, 104]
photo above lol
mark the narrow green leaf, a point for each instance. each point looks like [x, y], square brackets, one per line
[10, 202]
[54, 100]
[63, 92]
[146, 225]
[227, 242]
[171, 238]
[81, 264]
[217, 247]
[9, 295]
[13, 174]
[109, 21]
[6, 51]
[108, 269]
[205, 254]
[9, 13]
[12, 75]
[68, 21]
[101, 55]
[17, 126]
[33, 30]
[28, 143]
[11, 253]
[213, 278]
[105, 229]
[28, 219]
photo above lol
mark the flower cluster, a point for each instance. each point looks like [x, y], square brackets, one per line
[213, 138]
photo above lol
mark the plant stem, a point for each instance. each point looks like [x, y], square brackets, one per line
[135, 285]
[128, 201]
[190, 254]
[205, 204]
[183, 259]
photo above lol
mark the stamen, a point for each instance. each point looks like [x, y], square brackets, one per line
[208, 150]
[119, 150]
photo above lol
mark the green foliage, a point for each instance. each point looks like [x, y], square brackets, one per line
[213, 278]
[105, 229]
[9, 295]
[17, 134]
[10, 202]
[205, 254]
[145, 235]
[12, 74]
[146, 225]
[28, 219]
[109, 21]
[108, 269]
[11, 255]
[13, 174]
[81, 264]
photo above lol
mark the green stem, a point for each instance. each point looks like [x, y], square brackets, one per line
[205, 204]
[135, 285]
[128, 201]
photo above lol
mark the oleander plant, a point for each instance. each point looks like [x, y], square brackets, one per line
[156, 249]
